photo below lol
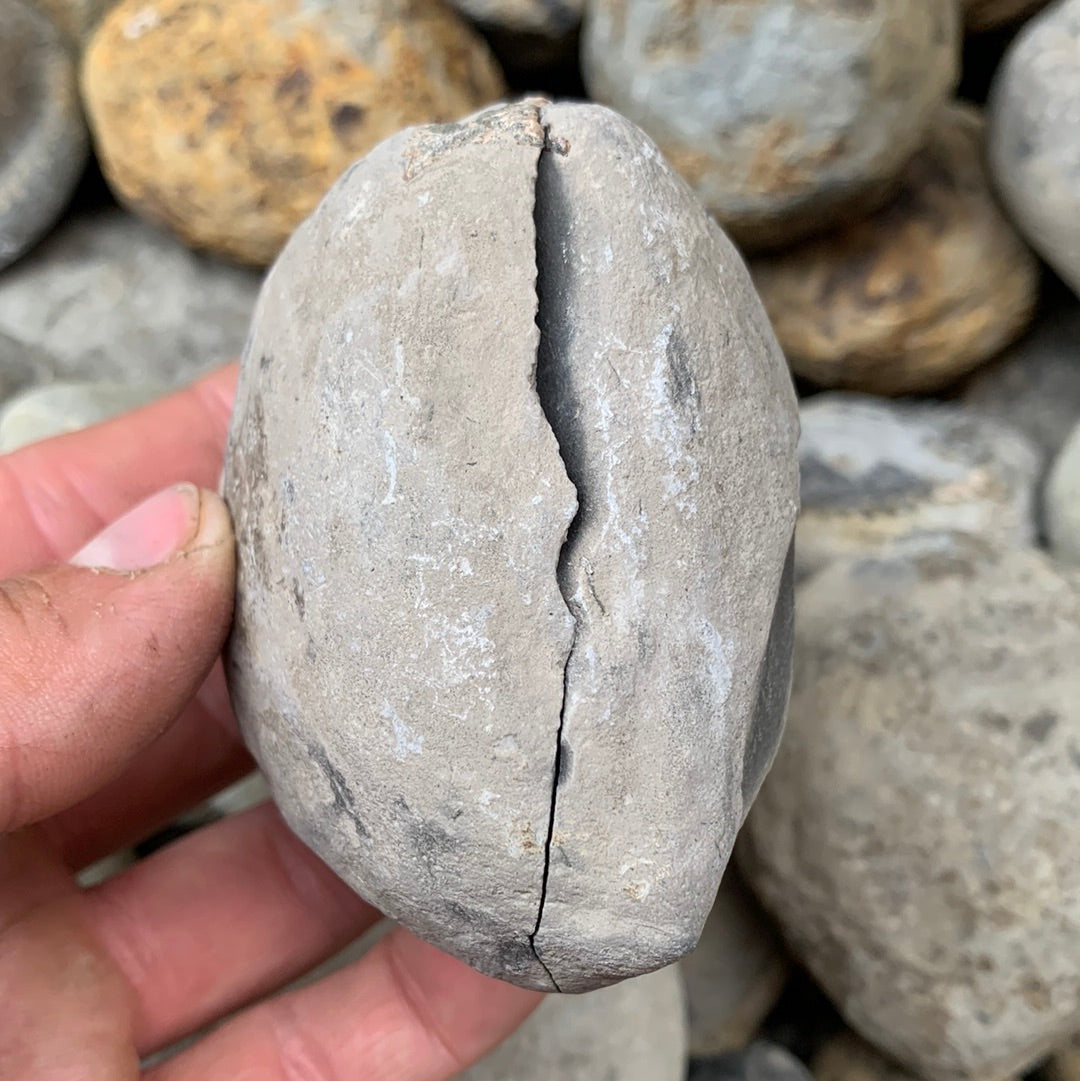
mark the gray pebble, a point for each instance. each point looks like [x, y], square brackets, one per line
[43, 137]
[1034, 136]
[785, 116]
[113, 299]
[875, 472]
[1062, 501]
[532, 748]
[761, 1061]
[916, 836]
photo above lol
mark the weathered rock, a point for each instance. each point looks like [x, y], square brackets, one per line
[1064, 1064]
[533, 753]
[784, 116]
[635, 1031]
[76, 19]
[113, 299]
[915, 295]
[916, 836]
[736, 974]
[875, 472]
[228, 122]
[848, 1057]
[43, 143]
[1062, 501]
[1034, 136]
[761, 1061]
[1036, 384]
[66, 407]
[986, 14]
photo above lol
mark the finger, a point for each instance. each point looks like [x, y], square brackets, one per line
[94, 664]
[59, 492]
[405, 1012]
[194, 758]
[220, 917]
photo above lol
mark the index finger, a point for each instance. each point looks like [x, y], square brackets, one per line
[58, 493]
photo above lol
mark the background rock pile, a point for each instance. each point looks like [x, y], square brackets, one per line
[903, 178]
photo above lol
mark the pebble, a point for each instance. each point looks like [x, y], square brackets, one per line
[634, 1031]
[1035, 384]
[43, 141]
[786, 117]
[848, 1057]
[761, 1061]
[399, 462]
[227, 123]
[875, 472]
[736, 974]
[61, 408]
[112, 299]
[988, 14]
[916, 835]
[1034, 136]
[1062, 501]
[22, 366]
[527, 34]
[917, 294]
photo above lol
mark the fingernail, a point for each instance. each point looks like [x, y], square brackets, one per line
[148, 534]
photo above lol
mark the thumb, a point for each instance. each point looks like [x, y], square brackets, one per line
[98, 657]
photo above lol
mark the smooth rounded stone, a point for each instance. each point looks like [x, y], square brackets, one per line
[1062, 501]
[785, 116]
[532, 747]
[59, 408]
[228, 122]
[43, 141]
[1064, 1064]
[761, 1061]
[527, 33]
[987, 14]
[735, 976]
[1035, 385]
[1034, 136]
[876, 471]
[916, 836]
[917, 294]
[22, 366]
[634, 1031]
[113, 299]
[76, 19]
[848, 1057]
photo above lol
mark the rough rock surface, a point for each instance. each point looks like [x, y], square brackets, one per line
[635, 1031]
[66, 407]
[1034, 136]
[784, 115]
[43, 142]
[1062, 501]
[1035, 385]
[228, 122]
[533, 753]
[916, 836]
[761, 1061]
[986, 14]
[918, 293]
[736, 974]
[110, 298]
[876, 472]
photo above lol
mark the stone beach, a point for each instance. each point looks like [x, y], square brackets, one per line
[516, 465]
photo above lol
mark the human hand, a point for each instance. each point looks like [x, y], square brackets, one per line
[109, 726]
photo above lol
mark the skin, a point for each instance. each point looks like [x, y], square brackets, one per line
[113, 718]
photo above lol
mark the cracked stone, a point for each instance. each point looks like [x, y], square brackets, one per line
[876, 472]
[512, 471]
[1034, 136]
[916, 836]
